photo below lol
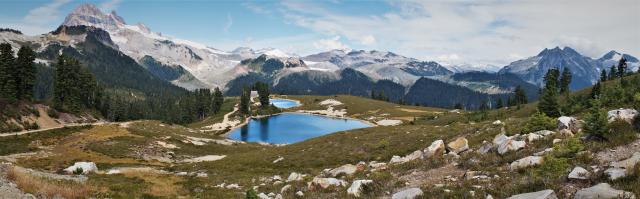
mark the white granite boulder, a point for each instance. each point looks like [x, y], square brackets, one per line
[544, 194]
[602, 191]
[510, 145]
[295, 177]
[86, 167]
[626, 115]
[357, 187]
[347, 169]
[526, 162]
[413, 156]
[436, 148]
[327, 182]
[569, 123]
[410, 193]
[579, 173]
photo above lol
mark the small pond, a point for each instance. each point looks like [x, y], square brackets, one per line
[283, 103]
[288, 128]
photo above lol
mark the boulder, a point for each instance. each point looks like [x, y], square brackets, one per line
[602, 191]
[410, 193]
[327, 182]
[526, 162]
[626, 115]
[544, 194]
[87, 167]
[628, 163]
[299, 194]
[579, 173]
[285, 188]
[413, 156]
[347, 169]
[615, 173]
[510, 145]
[500, 138]
[533, 137]
[485, 147]
[569, 123]
[497, 122]
[545, 132]
[263, 196]
[295, 177]
[376, 166]
[436, 148]
[357, 187]
[459, 145]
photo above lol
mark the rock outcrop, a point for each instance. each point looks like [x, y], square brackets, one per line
[544, 194]
[510, 145]
[413, 156]
[84, 167]
[626, 115]
[326, 183]
[410, 193]
[347, 169]
[602, 191]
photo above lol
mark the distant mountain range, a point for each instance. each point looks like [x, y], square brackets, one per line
[585, 70]
[102, 39]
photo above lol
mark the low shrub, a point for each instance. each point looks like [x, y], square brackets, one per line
[568, 147]
[552, 169]
[539, 121]
[620, 133]
[53, 113]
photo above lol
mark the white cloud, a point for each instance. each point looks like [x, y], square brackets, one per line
[228, 24]
[110, 5]
[481, 32]
[330, 44]
[46, 13]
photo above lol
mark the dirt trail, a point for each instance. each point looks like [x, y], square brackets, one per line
[46, 129]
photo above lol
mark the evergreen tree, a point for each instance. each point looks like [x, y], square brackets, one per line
[25, 75]
[596, 120]
[549, 101]
[458, 106]
[245, 100]
[218, 99]
[7, 72]
[603, 75]
[565, 80]
[596, 90]
[74, 86]
[520, 96]
[613, 72]
[622, 67]
[499, 104]
[263, 93]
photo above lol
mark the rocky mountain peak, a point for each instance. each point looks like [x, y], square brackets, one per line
[90, 15]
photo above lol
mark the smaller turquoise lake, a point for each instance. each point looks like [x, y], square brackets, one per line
[283, 103]
[289, 128]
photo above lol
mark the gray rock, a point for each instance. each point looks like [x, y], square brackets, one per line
[510, 145]
[459, 145]
[436, 148]
[526, 162]
[628, 163]
[579, 173]
[347, 169]
[285, 188]
[626, 115]
[615, 173]
[413, 156]
[357, 186]
[410, 193]
[602, 191]
[327, 182]
[299, 194]
[544, 194]
[295, 177]
[485, 147]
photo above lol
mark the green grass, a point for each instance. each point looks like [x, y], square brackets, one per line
[23, 143]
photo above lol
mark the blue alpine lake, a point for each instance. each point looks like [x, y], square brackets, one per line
[283, 103]
[288, 128]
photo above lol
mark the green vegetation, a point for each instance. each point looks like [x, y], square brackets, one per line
[596, 121]
[539, 121]
[549, 98]
[17, 75]
[23, 143]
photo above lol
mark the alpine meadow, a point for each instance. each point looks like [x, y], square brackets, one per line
[275, 99]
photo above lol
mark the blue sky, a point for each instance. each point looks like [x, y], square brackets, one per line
[488, 32]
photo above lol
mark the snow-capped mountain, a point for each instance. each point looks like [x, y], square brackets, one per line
[462, 68]
[612, 58]
[138, 41]
[377, 64]
[585, 70]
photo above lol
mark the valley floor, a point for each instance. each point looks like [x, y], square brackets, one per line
[153, 159]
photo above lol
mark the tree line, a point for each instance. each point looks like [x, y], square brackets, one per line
[76, 90]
